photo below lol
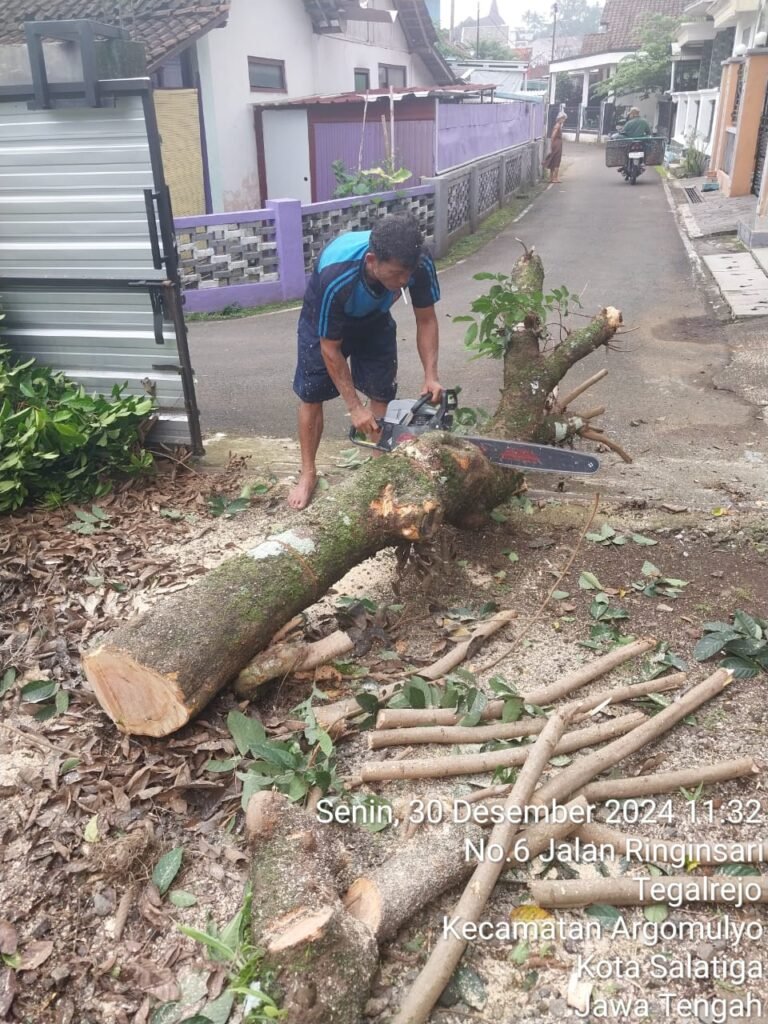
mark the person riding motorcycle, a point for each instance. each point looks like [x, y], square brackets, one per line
[636, 127]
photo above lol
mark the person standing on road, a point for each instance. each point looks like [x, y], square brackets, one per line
[346, 316]
[636, 127]
[555, 155]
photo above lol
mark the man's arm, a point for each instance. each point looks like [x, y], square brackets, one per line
[338, 370]
[427, 343]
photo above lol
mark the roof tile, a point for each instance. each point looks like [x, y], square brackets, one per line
[162, 26]
[623, 21]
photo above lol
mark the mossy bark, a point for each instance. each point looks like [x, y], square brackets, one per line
[155, 673]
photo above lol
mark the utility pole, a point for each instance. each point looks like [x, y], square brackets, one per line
[477, 45]
[451, 30]
[554, 29]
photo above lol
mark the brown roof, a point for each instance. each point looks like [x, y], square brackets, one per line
[163, 26]
[623, 21]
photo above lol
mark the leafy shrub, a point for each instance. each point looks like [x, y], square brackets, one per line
[58, 444]
[745, 644]
[363, 183]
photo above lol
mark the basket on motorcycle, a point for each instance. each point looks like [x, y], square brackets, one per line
[616, 150]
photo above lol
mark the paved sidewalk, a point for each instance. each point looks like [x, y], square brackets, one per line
[710, 213]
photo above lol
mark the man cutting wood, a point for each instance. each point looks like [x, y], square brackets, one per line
[347, 339]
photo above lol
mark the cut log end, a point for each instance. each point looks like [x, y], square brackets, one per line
[296, 929]
[138, 699]
[363, 902]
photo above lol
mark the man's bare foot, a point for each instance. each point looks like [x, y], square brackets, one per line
[301, 495]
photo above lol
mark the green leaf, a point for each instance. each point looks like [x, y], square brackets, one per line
[560, 595]
[606, 914]
[167, 868]
[91, 831]
[588, 581]
[649, 569]
[638, 538]
[7, 680]
[656, 912]
[218, 1011]
[742, 668]
[38, 690]
[560, 760]
[747, 625]
[220, 767]
[710, 645]
[512, 710]
[61, 702]
[245, 731]
[180, 898]
[512, 556]
[68, 764]
[737, 870]
[471, 335]
[216, 948]
[166, 1013]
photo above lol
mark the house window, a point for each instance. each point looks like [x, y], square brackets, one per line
[392, 75]
[266, 75]
[362, 79]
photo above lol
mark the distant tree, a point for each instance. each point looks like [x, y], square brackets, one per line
[535, 23]
[492, 49]
[574, 18]
[648, 70]
[449, 49]
[567, 89]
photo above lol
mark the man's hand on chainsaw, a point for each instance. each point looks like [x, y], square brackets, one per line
[364, 420]
[433, 388]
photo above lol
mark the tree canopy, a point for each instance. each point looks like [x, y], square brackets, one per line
[574, 18]
[648, 70]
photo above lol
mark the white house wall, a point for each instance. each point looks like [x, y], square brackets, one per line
[314, 65]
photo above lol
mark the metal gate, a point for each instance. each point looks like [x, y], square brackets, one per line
[89, 279]
[762, 147]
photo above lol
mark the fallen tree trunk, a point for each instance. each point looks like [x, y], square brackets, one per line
[322, 958]
[633, 892]
[387, 897]
[154, 673]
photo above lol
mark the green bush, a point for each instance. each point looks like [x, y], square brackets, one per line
[58, 444]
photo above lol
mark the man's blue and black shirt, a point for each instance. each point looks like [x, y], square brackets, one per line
[339, 300]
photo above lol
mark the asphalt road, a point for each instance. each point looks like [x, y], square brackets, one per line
[613, 244]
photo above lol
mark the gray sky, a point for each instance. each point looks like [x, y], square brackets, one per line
[511, 10]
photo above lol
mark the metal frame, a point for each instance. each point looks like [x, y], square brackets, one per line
[82, 31]
[165, 296]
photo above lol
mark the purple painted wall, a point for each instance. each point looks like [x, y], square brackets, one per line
[468, 131]
[414, 149]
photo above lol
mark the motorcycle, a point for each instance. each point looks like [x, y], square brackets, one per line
[634, 164]
[633, 158]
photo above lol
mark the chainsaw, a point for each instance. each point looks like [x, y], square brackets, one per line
[406, 419]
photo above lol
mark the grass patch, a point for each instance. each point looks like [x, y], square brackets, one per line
[491, 227]
[236, 312]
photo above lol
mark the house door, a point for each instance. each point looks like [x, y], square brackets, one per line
[762, 147]
[286, 154]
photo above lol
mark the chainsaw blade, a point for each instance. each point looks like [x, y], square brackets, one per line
[539, 458]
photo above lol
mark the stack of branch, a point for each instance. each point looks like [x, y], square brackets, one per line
[433, 860]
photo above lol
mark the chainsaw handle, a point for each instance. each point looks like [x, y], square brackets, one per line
[448, 400]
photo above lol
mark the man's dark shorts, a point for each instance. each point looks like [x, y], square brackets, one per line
[372, 355]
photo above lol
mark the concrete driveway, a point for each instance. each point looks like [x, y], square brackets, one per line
[612, 243]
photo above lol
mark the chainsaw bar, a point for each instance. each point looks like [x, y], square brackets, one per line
[539, 458]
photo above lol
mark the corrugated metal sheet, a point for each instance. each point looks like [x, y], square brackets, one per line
[468, 131]
[72, 209]
[414, 149]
